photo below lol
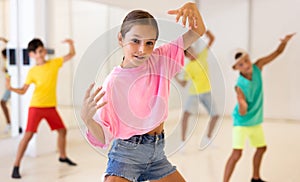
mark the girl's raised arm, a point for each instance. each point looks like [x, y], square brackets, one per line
[190, 13]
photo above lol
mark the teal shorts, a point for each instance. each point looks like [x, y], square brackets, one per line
[241, 133]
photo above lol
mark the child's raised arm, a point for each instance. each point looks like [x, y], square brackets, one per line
[189, 12]
[71, 53]
[260, 63]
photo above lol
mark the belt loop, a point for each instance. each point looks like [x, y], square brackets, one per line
[156, 138]
[140, 139]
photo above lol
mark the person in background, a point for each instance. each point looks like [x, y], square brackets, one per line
[7, 93]
[248, 113]
[197, 71]
[43, 102]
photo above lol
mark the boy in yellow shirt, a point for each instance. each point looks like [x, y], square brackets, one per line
[43, 102]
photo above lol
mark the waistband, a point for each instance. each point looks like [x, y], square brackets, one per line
[146, 138]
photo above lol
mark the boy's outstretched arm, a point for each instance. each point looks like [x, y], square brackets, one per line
[189, 12]
[72, 52]
[260, 63]
[21, 90]
[211, 38]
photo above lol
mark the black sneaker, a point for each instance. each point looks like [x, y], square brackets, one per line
[68, 161]
[257, 180]
[15, 173]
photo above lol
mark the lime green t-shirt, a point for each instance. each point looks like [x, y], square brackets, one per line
[44, 77]
[197, 71]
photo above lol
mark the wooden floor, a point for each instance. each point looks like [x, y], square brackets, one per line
[281, 162]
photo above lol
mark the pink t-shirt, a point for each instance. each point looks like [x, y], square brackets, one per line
[137, 98]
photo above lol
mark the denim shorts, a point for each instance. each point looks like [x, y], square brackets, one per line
[191, 105]
[139, 158]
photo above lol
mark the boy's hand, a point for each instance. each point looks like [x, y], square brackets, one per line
[3, 39]
[68, 41]
[241, 98]
[90, 103]
[287, 37]
[188, 11]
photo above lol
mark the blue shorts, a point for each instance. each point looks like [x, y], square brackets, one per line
[139, 158]
[6, 95]
[191, 105]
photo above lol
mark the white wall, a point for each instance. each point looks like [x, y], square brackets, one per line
[59, 27]
[271, 21]
[228, 20]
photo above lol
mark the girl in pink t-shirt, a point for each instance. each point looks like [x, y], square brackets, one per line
[133, 104]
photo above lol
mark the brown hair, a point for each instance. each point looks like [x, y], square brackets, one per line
[138, 17]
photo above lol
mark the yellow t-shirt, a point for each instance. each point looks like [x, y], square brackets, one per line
[197, 71]
[44, 77]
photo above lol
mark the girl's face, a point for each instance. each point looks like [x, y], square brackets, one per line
[137, 45]
[244, 65]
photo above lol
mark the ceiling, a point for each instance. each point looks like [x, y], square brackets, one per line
[156, 7]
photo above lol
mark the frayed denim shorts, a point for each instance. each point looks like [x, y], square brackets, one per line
[139, 158]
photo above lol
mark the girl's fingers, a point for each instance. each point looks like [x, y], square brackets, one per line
[187, 13]
[184, 16]
[191, 21]
[96, 92]
[88, 91]
[172, 12]
[99, 97]
[179, 14]
[101, 105]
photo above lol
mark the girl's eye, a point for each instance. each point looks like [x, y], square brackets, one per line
[150, 43]
[135, 41]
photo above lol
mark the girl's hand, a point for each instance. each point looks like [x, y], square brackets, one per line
[188, 11]
[90, 103]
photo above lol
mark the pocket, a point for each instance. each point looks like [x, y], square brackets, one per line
[127, 144]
